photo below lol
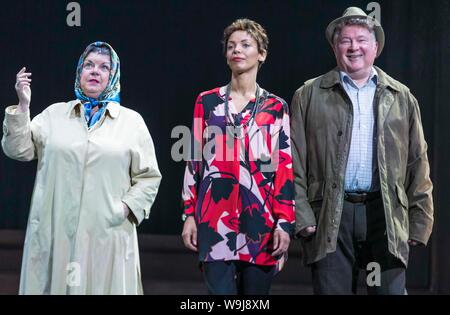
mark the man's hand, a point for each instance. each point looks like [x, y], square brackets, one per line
[189, 233]
[308, 231]
[413, 243]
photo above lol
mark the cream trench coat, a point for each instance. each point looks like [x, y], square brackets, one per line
[78, 240]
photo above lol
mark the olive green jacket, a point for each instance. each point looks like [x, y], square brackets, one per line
[321, 128]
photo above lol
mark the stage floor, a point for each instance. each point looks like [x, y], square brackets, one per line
[168, 268]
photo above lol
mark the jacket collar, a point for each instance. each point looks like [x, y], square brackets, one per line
[333, 78]
[112, 108]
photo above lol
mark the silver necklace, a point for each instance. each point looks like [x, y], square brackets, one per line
[249, 123]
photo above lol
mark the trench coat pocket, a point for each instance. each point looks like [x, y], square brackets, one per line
[118, 213]
[401, 196]
[315, 194]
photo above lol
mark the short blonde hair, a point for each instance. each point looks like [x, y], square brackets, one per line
[253, 28]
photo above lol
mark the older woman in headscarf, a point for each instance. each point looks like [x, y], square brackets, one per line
[97, 178]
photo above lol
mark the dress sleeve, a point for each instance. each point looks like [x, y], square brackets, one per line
[192, 174]
[283, 204]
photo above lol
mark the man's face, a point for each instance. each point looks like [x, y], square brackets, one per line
[355, 50]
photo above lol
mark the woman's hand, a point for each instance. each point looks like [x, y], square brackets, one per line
[281, 242]
[126, 210]
[189, 233]
[23, 89]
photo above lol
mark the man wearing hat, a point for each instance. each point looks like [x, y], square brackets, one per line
[363, 191]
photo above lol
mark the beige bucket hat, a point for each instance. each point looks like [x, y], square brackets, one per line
[355, 12]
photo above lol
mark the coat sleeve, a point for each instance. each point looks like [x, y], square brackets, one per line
[304, 216]
[418, 185]
[192, 174]
[21, 137]
[144, 173]
[283, 203]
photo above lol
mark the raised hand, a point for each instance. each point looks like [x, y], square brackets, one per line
[23, 89]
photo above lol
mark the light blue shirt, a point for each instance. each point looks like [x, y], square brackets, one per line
[359, 171]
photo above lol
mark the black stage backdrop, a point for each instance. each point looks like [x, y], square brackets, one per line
[171, 50]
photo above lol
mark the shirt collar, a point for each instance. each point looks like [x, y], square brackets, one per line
[112, 108]
[345, 78]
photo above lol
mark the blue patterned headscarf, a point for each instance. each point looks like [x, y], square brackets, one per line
[112, 90]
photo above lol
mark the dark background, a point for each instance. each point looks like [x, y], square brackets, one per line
[171, 50]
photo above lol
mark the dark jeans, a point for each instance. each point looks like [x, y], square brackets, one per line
[362, 239]
[237, 277]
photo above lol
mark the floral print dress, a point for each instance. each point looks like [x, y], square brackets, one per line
[238, 182]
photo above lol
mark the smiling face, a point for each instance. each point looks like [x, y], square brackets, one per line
[242, 52]
[95, 74]
[355, 49]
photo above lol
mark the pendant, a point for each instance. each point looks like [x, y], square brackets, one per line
[238, 132]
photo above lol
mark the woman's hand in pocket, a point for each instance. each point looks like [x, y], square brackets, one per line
[126, 210]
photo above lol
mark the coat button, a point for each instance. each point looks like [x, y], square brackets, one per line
[329, 239]
[334, 185]
[339, 133]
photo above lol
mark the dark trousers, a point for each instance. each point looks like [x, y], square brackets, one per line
[362, 239]
[237, 277]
